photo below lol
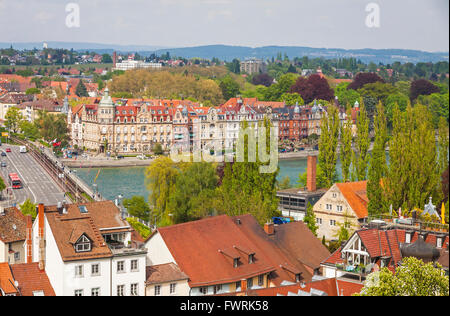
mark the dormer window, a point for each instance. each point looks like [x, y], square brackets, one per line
[235, 262]
[251, 258]
[408, 238]
[83, 244]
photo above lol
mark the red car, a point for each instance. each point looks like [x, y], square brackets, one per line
[8, 150]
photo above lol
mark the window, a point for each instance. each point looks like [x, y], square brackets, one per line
[329, 207]
[95, 269]
[172, 288]
[235, 262]
[134, 289]
[16, 256]
[204, 290]
[249, 283]
[157, 290]
[120, 266]
[217, 288]
[261, 280]
[339, 208]
[83, 244]
[134, 265]
[238, 285]
[78, 271]
[38, 293]
[120, 290]
[332, 222]
[408, 238]
[250, 258]
[95, 291]
[319, 221]
[439, 242]
[78, 292]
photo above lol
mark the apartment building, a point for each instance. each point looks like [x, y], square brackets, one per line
[253, 66]
[87, 250]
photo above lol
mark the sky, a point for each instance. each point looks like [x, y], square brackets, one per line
[406, 24]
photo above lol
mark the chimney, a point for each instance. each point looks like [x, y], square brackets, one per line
[244, 285]
[41, 237]
[114, 59]
[311, 173]
[29, 239]
[269, 228]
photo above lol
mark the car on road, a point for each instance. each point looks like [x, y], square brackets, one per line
[3, 164]
[3, 154]
[120, 157]
[23, 149]
[8, 150]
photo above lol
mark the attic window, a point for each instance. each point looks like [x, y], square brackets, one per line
[235, 262]
[251, 258]
[298, 277]
[83, 244]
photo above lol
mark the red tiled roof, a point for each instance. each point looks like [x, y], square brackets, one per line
[356, 195]
[196, 246]
[162, 273]
[12, 225]
[6, 279]
[31, 278]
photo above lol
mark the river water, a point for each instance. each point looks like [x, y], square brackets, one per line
[130, 181]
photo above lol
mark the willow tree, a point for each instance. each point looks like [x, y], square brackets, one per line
[346, 146]
[328, 141]
[160, 179]
[362, 143]
[378, 166]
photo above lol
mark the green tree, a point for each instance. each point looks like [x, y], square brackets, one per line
[28, 208]
[346, 96]
[2, 186]
[81, 90]
[33, 91]
[412, 278]
[328, 142]
[362, 143]
[137, 207]
[321, 181]
[413, 173]
[29, 129]
[346, 146]
[310, 219]
[13, 118]
[292, 98]
[157, 149]
[244, 189]
[106, 59]
[143, 230]
[443, 143]
[194, 194]
[160, 178]
[230, 88]
[378, 166]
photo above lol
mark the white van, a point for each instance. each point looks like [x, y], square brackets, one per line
[23, 149]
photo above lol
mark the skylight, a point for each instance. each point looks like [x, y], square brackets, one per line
[83, 209]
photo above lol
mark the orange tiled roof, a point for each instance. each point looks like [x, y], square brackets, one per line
[13, 226]
[356, 195]
[6, 280]
[196, 246]
[31, 279]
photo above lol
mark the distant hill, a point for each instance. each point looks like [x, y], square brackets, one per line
[367, 55]
[228, 53]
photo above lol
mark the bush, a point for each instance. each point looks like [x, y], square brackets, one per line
[143, 230]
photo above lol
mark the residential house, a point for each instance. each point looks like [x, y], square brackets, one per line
[24, 279]
[223, 254]
[86, 250]
[343, 204]
[12, 235]
[382, 244]
[166, 280]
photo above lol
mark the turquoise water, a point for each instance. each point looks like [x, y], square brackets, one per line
[130, 181]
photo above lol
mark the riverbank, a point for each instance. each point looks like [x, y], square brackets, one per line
[105, 162]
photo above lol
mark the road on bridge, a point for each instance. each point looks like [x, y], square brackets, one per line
[37, 184]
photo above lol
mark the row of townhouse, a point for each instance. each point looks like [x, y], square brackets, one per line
[136, 127]
[126, 126]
